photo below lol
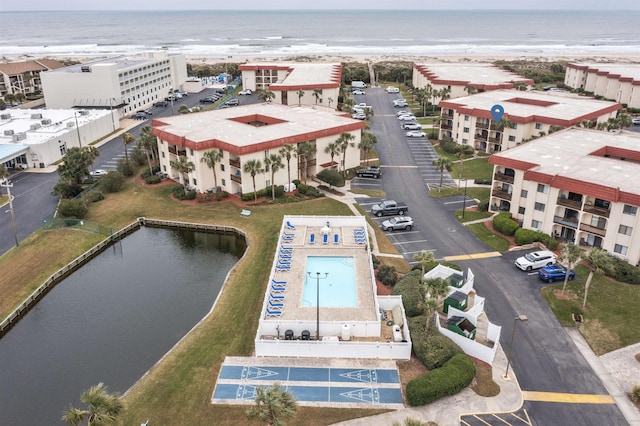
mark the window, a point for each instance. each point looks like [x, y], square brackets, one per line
[224, 183]
[465, 141]
[539, 207]
[620, 249]
[542, 188]
[191, 152]
[222, 167]
[524, 193]
[632, 210]
[465, 130]
[195, 182]
[512, 138]
[626, 230]
[513, 125]
[536, 224]
[520, 210]
[63, 148]
[162, 154]
[538, 126]
[466, 118]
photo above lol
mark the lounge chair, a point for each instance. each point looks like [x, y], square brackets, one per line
[290, 226]
[325, 238]
[278, 283]
[276, 305]
[312, 239]
[275, 289]
[360, 241]
[286, 249]
[288, 234]
[285, 256]
[336, 238]
[273, 313]
[276, 296]
[283, 268]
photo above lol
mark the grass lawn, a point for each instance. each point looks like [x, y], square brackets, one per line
[476, 192]
[181, 386]
[494, 241]
[478, 168]
[442, 153]
[470, 216]
[611, 317]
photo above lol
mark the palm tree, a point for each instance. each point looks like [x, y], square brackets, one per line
[501, 125]
[210, 158]
[433, 289]
[317, 93]
[572, 254]
[300, 94]
[184, 109]
[102, 408]
[332, 149]
[344, 141]
[367, 142]
[424, 258]
[253, 167]
[265, 95]
[442, 164]
[599, 261]
[274, 161]
[127, 138]
[273, 404]
[288, 151]
[184, 167]
[470, 89]
[4, 174]
[148, 143]
[329, 100]
[305, 151]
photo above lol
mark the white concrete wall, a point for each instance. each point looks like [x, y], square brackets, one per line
[333, 349]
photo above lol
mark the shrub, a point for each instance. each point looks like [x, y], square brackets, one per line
[453, 377]
[313, 192]
[111, 182]
[528, 236]
[387, 275]
[125, 168]
[221, 195]
[375, 261]
[178, 192]
[626, 273]
[503, 223]
[302, 188]
[66, 189]
[408, 288]
[468, 150]
[331, 176]
[137, 156]
[449, 145]
[152, 180]
[74, 207]
[93, 196]
[482, 181]
[635, 394]
[483, 205]
[436, 349]
[146, 173]
[204, 198]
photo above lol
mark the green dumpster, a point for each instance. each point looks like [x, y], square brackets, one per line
[462, 326]
[457, 299]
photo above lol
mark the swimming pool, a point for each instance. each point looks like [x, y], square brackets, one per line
[338, 289]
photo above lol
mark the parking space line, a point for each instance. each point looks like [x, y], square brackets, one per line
[419, 251]
[576, 398]
[411, 242]
[473, 256]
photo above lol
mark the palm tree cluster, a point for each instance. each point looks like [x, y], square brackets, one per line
[102, 409]
[272, 405]
[429, 94]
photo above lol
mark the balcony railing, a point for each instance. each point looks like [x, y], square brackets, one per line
[481, 138]
[593, 229]
[446, 116]
[563, 201]
[566, 221]
[501, 194]
[503, 178]
[446, 126]
[234, 163]
[480, 125]
[600, 211]
[237, 179]
[495, 140]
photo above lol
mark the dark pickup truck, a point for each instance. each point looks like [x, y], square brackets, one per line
[388, 208]
[373, 172]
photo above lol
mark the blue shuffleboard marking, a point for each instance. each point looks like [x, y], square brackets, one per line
[390, 396]
[231, 372]
[350, 375]
[264, 373]
[310, 393]
[246, 392]
[235, 391]
[387, 376]
[368, 395]
[311, 374]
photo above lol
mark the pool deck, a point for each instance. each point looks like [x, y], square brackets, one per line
[347, 246]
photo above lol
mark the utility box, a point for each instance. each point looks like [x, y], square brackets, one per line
[457, 299]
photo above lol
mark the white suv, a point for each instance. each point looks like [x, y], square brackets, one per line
[535, 260]
[392, 89]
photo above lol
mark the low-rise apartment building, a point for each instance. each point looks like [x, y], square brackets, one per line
[24, 77]
[253, 132]
[469, 121]
[124, 83]
[295, 84]
[579, 185]
[462, 78]
[617, 82]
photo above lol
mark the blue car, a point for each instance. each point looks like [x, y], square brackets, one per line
[555, 272]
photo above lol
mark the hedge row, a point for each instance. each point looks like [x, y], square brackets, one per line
[407, 287]
[430, 347]
[455, 375]
[502, 222]
[528, 236]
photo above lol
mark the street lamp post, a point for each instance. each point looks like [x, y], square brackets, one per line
[13, 216]
[464, 199]
[318, 301]
[522, 318]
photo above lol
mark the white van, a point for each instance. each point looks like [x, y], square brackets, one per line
[358, 85]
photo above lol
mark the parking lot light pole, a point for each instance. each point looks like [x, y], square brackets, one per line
[8, 185]
[464, 199]
[522, 318]
[318, 301]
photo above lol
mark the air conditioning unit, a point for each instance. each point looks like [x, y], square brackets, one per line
[70, 124]
[84, 112]
[36, 116]
[45, 121]
[5, 116]
[85, 68]
[19, 137]
[8, 132]
[35, 126]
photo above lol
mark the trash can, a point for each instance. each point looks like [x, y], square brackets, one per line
[457, 299]
[305, 335]
[288, 335]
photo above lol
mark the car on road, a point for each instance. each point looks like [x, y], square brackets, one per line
[400, 103]
[161, 104]
[635, 121]
[415, 134]
[398, 222]
[555, 272]
[411, 126]
[208, 100]
[98, 172]
[232, 102]
[171, 98]
[357, 92]
[407, 117]
[245, 92]
[140, 116]
[535, 260]
[359, 116]
[403, 112]
[373, 172]
[144, 111]
[392, 89]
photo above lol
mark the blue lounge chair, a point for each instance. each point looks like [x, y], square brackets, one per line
[286, 249]
[276, 296]
[277, 305]
[276, 289]
[360, 240]
[290, 226]
[312, 239]
[276, 282]
[325, 238]
[273, 313]
[283, 268]
[288, 234]
[285, 256]
[336, 238]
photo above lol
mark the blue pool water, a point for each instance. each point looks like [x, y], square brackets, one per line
[338, 289]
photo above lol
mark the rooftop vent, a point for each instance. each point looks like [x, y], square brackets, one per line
[70, 124]
[5, 116]
[8, 132]
[84, 112]
[45, 121]
[19, 137]
[36, 116]
[35, 126]
[85, 68]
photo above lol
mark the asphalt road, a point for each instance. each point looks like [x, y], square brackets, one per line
[544, 357]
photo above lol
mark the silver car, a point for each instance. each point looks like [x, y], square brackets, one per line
[398, 222]
[535, 260]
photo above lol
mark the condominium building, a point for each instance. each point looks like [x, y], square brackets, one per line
[617, 82]
[295, 84]
[24, 77]
[462, 79]
[124, 83]
[580, 185]
[254, 132]
[469, 120]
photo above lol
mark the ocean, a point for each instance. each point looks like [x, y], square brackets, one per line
[286, 33]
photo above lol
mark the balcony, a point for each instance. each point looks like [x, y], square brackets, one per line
[446, 126]
[564, 201]
[311, 162]
[236, 179]
[600, 211]
[566, 221]
[481, 125]
[593, 230]
[481, 138]
[503, 178]
[495, 140]
[234, 163]
[501, 194]
[446, 116]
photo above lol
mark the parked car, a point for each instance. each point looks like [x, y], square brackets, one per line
[416, 134]
[407, 117]
[373, 172]
[398, 222]
[245, 92]
[535, 260]
[232, 102]
[357, 92]
[400, 103]
[359, 116]
[635, 121]
[144, 111]
[171, 98]
[555, 272]
[403, 112]
[161, 104]
[411, 126]
[392, 89]
[140, 116]
[207, 100]
[98, 173]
